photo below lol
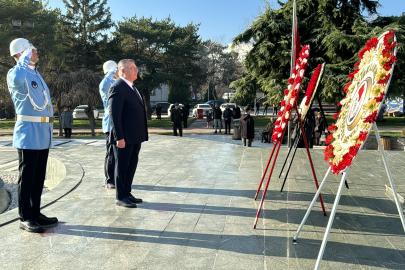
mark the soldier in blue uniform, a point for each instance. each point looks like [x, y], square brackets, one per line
[111, 70]
[32, 133]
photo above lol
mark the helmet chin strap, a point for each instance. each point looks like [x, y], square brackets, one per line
[32, 63]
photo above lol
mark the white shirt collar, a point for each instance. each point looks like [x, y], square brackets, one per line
[31, 67]
[128, 82]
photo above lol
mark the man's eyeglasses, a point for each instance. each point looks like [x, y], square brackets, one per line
[131, 68]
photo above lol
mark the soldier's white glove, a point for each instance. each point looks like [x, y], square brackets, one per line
[27, 52]
[114, 69]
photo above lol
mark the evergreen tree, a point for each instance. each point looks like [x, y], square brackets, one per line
[164, 54]
[336, 31]
[87, 22]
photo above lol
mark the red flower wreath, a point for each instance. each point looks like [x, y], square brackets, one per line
[290, 103]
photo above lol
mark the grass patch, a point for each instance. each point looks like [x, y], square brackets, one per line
[390, 133]
[165, 122]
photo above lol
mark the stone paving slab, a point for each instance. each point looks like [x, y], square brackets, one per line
[198, 213]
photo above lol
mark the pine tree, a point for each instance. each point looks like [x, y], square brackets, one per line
[336, 31]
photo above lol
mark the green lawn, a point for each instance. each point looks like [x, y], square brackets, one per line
[85, 124]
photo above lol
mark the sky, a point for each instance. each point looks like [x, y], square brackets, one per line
[220, 20]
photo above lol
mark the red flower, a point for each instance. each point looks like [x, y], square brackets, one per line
[332, 128]
[385, 80]
[362, 52]
[329, 139]
[388, 37]
[336, 115]
[303, 65]
[294, 71]
[282, 103]
[363, 135]
[288, 108]
[380, 98]
[371, 118]
[280, 113]
[352, 151]
[328, 152]
[388, 65]
[372, 43]
[388, 49]
[351, 75]
[291, 81]
[346, 89]
[357, 64]
[286, 92]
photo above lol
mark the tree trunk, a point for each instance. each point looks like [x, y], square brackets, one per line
[59, 106]
[146, 98]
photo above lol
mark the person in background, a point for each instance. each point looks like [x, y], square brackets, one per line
[209, 118]
[176, 115]
[66, 120]
[257, 107]
[275, 107]
[265, 108]
[309, 128]
[269, 129]
[185, 113]
[158, 111]
[110, 69]
[217, 114]
[236, 112]
[247, 127]
[319, 128]
[227, 118]
[187, 109]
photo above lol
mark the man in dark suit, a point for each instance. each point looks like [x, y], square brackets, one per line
[128, 130]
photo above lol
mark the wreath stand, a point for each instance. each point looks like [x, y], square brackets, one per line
[278, 145]
[296, 140]
[338, 195]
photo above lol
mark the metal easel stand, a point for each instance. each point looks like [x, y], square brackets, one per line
[339, 194]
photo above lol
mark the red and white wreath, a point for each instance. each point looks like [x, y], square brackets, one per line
[291, 94]
[364, 95]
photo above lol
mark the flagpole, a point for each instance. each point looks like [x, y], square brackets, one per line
[291, 68]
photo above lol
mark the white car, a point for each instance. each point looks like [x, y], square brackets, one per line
[205, 108]
[231, 106]
[78, 112]
[170, 107]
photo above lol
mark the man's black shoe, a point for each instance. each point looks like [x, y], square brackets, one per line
[45, 221]
[225, 133]
[31, 225]
[132, 199]
[110, 186]
[215, 132]
[125, 203]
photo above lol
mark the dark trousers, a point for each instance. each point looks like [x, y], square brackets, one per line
[177, 126]
[185, 122]
[68, 132]
[228, 125]
[109, 161]
[275, 110]
[249, 142]
[126, 161]
[32, 171]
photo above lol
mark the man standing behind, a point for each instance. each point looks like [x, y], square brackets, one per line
[110, 68]
[32, 133]
[275, 107]
[176, 115]
[236, 112]
[128, 130]
[217, 113]
[66, 120]
[227, 118]
[247, 127]
[257, 107]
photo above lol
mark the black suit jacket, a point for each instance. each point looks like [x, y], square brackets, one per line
[127, 114]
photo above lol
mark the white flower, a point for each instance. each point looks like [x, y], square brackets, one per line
[297, 67]
[305, 60]
[282, 108]
[292, 101]
[302, 72]
[287, 116]
[290, 87]
[279, 135]
[293, 76]
[297, 86]
[283, 125]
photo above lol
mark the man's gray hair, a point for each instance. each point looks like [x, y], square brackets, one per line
[123, 62]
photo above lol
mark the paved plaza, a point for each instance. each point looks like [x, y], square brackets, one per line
[198, 211]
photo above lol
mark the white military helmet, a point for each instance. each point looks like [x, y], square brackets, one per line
[109, 65]
[19, 45]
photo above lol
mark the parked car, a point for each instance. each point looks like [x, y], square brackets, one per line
[212, 102]
[165, 107]
[172, 105]
[231, 106]
[204, 106]
[79, 112]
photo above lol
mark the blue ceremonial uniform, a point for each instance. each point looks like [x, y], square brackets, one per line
[104, 87]
[31, 97]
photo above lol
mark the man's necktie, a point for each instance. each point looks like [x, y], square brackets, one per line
[139, 94]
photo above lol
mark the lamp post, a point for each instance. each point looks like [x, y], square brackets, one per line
[29, 25]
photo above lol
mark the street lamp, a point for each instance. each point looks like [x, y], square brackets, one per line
[29, 25]
[16, 24]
